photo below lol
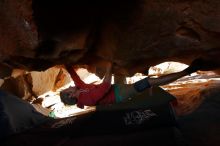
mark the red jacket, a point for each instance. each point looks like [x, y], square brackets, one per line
[93, 94]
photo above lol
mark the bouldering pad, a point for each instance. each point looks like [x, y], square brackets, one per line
[145, 115]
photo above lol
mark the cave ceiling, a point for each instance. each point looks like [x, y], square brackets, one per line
[133, 34]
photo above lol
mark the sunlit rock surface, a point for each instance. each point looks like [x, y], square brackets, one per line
[193, 90]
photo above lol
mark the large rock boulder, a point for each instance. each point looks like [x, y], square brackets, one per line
[133, 34]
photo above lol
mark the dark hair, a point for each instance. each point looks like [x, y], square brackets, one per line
[66, 99]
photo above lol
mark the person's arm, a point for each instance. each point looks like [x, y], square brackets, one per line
[77, 81]
[104, 87]
[108, 74]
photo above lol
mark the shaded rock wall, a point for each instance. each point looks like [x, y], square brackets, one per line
[134, 34]
[18, 34]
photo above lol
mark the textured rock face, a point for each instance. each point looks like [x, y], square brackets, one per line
[18, 37]
[29, 86]
[134, 34]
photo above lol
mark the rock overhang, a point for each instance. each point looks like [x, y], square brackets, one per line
[134, 35]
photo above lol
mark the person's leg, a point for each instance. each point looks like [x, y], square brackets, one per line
[141, 85]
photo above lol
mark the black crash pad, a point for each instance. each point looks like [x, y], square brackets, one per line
[147, 119]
